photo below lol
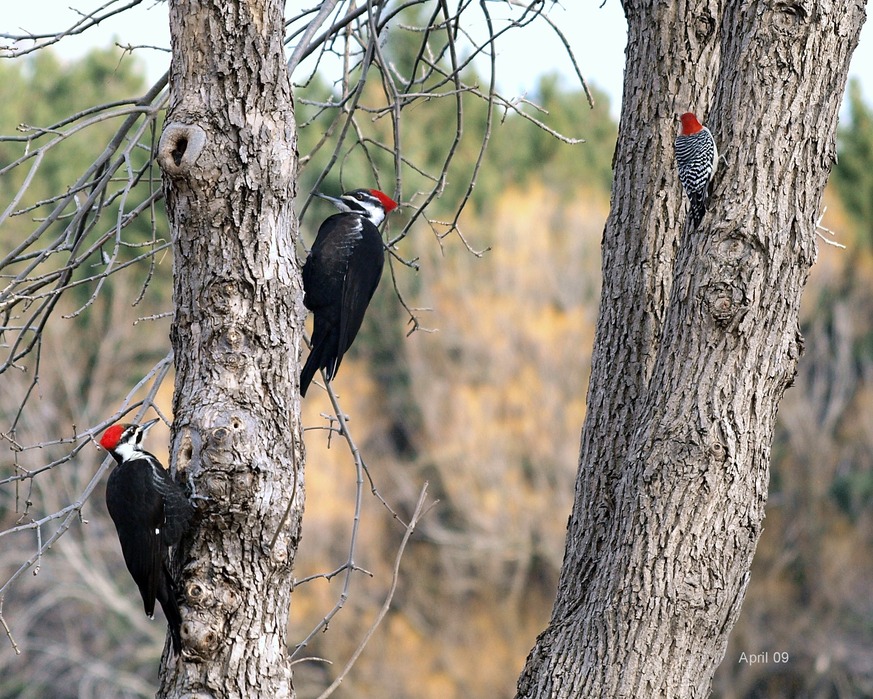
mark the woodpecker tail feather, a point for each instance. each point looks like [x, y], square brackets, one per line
[308, 372]
[170, 605]
[323, 355]
[695, 214]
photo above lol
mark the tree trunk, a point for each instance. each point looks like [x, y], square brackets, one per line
[228, 153]
[697, 340]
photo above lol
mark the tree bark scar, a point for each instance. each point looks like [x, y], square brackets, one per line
[704, 25]
[186, 450]
[726, 296]
[724, 302]
[795, 12]
[197, 634]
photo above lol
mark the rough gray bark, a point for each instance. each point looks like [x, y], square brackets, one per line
[228, 153]
[696, 342]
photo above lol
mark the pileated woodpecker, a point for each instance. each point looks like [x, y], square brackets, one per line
[340, 276]
[151, 513]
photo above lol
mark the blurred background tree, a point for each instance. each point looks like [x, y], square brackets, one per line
[852, 176]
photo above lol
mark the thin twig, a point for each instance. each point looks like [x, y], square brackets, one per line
[819, 229]
[7, 629]
[417, 514]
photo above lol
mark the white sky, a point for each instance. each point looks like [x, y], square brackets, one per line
[596, 34]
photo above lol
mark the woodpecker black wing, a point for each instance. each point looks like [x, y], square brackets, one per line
[178, 511]
[696, 155]
[328, 259]
[137, 509]
[151, 513]
[323, 274]
[339, 278]
[359, 285]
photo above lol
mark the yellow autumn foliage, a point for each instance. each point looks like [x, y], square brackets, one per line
[499, 387]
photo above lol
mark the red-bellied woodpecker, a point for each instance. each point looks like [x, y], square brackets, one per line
[696, 158]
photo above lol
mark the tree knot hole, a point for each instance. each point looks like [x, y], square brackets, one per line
[724, 301]
[198, 594]
[179, 150]
[280, 554]
[796, 10]
[217, 486]
[718, 452]
[235, 340]
[705, 26]
[228, 599]
[201, 639]
[721, 305]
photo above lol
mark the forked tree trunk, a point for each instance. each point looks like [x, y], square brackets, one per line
[696, 342]
[228, 154]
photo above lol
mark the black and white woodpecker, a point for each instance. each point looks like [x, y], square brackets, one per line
[340, 276]
[151, 513]
[696, 160]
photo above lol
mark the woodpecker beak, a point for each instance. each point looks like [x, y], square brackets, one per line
[336, 201]
[145, 427]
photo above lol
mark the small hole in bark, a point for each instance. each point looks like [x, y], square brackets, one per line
[179, 150]
[718, 451]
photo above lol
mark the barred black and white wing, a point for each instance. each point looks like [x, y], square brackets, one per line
[696, 158]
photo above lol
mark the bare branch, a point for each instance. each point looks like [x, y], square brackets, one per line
[417, 514]
[85, 22]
